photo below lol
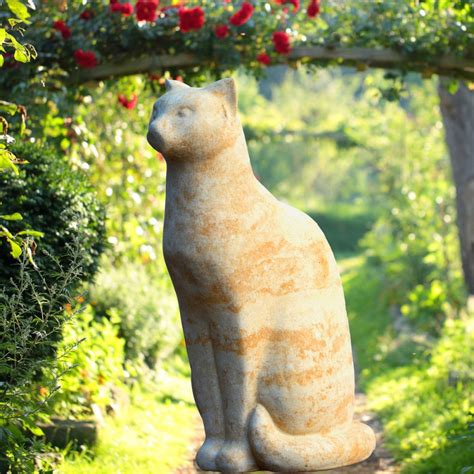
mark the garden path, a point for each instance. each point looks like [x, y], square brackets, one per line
[379, 463]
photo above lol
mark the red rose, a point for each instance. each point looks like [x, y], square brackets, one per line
[115, 7]
[295, 3]
[243, 15]
[281, 41]
[221, 31]
[127, 9]
[264, 58]
[313, 8]
[128, 103]
[146, 10]
[85, 59]
[191, 19]
[86, 15]
[60, 26]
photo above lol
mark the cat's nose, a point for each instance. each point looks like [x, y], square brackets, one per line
[153, 136]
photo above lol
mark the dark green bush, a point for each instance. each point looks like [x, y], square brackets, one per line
[343, 230]
[56, 200]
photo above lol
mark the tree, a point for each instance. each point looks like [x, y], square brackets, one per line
[458, 117]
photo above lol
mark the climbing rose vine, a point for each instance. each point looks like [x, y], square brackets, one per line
[281, 41]
[243, 15]
[191, 19]
[220, 35]
[60, 26]
[146, 10]
[221, 31]
[107, 30]
[85, 59]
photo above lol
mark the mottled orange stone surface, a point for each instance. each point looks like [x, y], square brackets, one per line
[260, 296]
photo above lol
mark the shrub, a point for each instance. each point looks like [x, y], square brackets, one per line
[93, 363]
[54, 199]
[146, 306]
[426, 407]
[29, 327]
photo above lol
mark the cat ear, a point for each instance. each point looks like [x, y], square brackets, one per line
[227, 89]
[171, 85]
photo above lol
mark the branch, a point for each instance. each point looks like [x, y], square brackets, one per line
[388, 59]
[339, 136]
[140, 65]
[378, 58]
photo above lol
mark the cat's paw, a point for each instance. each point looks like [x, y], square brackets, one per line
[235, 457]
[207, 454]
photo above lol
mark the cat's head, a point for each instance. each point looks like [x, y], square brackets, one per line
[194, 123]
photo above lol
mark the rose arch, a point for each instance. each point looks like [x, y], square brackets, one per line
[78, 43]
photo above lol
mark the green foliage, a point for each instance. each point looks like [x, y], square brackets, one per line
[303, 145]
[414, 242]
[11, 28]
[56, 200]
[343, 228]
[145, 307]
[423, 399]
[427, 306]
[420, 29]
[93, 365]
[8, 163]
[423, 31]
[31, 316]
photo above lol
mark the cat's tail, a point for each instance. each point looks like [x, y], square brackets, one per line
[277, 451]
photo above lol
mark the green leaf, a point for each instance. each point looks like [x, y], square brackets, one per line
[20, 56]
[36, 430]
[2, 60]
[18, 9]
[29, 253]
[16, 216]
[3, 34]
[4, 232]
[31, 233]
[8, 107]
[6, 162]
[15, 248]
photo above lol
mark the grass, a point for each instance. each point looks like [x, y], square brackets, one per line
[425, 414]
[152, 436]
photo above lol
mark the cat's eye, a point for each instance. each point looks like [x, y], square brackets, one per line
[184, 112]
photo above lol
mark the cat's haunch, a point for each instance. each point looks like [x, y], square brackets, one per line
[260, 297]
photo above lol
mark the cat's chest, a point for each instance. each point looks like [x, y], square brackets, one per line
[194, 241]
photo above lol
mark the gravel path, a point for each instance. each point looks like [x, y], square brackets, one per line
[379, 463]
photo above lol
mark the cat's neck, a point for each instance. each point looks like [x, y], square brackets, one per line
[220, 170]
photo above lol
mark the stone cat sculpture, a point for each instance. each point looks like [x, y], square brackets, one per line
[260, 298]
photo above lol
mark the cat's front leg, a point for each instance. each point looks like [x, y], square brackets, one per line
[205, 385]
[237, 361]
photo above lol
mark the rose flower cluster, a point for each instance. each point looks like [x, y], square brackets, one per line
[189, 19]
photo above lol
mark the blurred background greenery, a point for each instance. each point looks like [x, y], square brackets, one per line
[94, 334]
